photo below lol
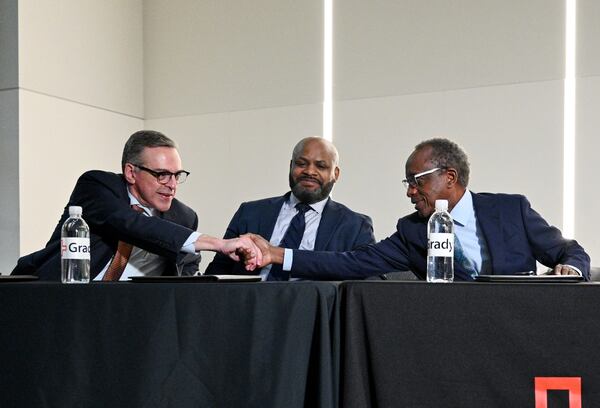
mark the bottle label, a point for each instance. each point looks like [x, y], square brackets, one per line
[75, 248]
[440, 244]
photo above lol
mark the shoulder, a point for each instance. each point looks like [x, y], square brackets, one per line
[182, 210]
[501, 199]
[411, 225]
[413, 219]
[101, 177]
[96, 181]
[263, 202]
[347, 212]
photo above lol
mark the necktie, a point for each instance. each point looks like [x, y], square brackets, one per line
[291, 239]
[119, 261]
[461, 259]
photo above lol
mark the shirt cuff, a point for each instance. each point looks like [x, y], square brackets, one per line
[288, 258]
[188, 246]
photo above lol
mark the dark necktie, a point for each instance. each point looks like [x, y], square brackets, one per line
[466, 263]
[291, 239]
[119, 261]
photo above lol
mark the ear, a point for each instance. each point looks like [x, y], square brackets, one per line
[129, 173]
[451, 177]
[336, 173]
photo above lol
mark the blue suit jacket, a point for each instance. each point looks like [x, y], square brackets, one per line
[340, 229]
[515, 234]
[106, 208]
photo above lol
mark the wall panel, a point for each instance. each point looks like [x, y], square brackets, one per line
[222, 56]
[236, 157]
[58, 141]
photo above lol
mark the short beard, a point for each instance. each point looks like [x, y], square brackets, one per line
[311, 197]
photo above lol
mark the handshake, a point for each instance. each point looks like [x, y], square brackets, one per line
[252, 249]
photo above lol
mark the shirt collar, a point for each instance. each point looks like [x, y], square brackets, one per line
[463, 211]
[134, 201]
[318, 207]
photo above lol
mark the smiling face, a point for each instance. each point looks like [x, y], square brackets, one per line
[440, 184]
[314, 171]
[144, 186]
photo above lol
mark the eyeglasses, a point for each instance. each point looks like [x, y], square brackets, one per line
[416, 181]
[163, 177]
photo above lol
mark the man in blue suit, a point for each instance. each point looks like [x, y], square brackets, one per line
[326, 224]
[499, 233]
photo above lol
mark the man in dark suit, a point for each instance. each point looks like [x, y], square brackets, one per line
[499, 233]
[328, 225]
[137, 208]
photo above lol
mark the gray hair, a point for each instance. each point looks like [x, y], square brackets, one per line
[299, 148]
[138, 141]
[446, 153]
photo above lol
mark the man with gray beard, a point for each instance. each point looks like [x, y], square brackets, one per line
[304, 218]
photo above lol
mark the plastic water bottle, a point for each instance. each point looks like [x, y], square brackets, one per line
[440, 244]
[75, 248]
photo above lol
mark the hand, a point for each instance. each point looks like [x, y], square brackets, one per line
[243, 248]
[562, 270]
[270, 254]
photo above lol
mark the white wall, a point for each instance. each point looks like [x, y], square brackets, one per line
[9, 135]
[588, 125]
[86, 51]
[236, 84]
[9, 179]
[9, 36]
[59, 140]
[510, 133]
[222, 56]
[80, 97]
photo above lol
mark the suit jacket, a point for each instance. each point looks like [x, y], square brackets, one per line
[340, 229]
[515, 234]
[106, 209]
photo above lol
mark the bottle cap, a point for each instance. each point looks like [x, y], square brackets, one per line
[75, 210]
[441, 205]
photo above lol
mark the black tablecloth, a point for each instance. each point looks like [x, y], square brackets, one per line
[412, 344]
[167, 345]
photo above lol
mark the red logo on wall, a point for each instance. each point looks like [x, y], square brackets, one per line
[571, 384]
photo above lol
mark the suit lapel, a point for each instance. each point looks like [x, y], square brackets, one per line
[490, 220]
[330, 218]
[268, 218]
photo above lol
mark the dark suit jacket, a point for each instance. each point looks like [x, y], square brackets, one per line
[106, 209]
[515, 234]
[340, 229]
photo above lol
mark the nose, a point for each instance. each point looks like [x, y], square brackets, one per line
[411, 191]
[172, 182]
[311, 170]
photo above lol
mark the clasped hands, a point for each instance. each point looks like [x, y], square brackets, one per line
[253, 250]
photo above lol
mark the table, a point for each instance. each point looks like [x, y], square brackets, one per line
[413, 344]
[168, 345]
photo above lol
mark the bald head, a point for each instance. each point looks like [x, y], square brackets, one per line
[318, 141]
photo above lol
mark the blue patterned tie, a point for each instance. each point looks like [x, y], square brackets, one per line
[291, 240]
[461, 259]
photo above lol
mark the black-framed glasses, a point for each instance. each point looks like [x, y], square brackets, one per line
[163, 177]
[416, 180]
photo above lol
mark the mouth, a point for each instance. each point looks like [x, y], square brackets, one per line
[166, 196]
[418, 204]
[309, 182]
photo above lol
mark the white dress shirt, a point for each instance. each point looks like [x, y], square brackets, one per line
[142, 262]
[287, 212]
